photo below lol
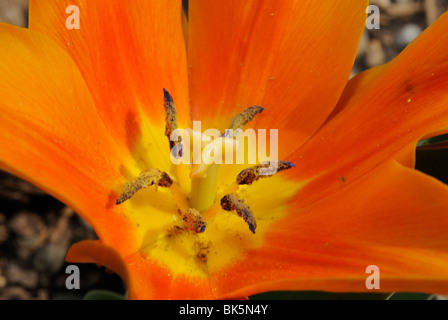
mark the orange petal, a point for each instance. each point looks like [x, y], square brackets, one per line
[127, 52]
[94, 251]
[394, 218]
[291, 57]
[51, 132]
[145, 278]
[382, 114]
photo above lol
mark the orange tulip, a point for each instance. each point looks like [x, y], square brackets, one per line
[82, 114]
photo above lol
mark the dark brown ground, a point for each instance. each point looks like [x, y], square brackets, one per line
[36, 230]
[35, 233]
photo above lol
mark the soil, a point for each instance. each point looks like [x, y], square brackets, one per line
[35, 233]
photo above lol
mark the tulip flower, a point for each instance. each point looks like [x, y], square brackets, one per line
[85, 113]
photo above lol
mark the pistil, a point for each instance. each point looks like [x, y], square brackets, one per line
[203, 188]
[204, 175]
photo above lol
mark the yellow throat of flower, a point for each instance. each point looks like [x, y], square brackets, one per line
[195, 215]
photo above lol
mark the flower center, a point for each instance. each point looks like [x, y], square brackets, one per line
[201, 154]
[194, 217]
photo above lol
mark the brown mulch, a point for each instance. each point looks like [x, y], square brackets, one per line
[35, 233]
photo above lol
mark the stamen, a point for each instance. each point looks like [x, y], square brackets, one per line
[145, 179]
[194, 221]
[244, 117]
[203, 173]
[263, 170]
[171, 124]
[230, 202]
[179, 197]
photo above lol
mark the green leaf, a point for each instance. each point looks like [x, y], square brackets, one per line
[436, 139]
[317, 295]
[103, 295]
[410, 296]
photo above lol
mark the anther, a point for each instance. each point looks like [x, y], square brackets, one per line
[194, 221]
[145, 179]
[230, 202]
[171, 124]
[263, 170]
[243, 118]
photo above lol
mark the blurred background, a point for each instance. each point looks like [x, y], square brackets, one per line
[37, 230]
